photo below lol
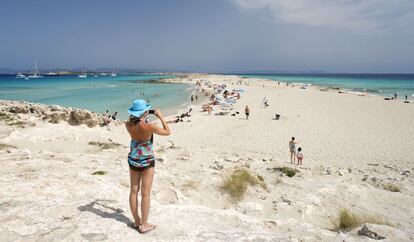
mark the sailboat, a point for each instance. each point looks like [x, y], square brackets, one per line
[83, 75]
[36, 72]
[113, 74]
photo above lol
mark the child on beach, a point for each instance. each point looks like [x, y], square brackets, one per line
[299, 156]
[107, 122]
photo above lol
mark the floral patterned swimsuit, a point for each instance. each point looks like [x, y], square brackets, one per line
[141, 155]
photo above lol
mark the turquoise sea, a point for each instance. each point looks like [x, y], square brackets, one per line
[116, 93]
[97, 93]
[379, 84]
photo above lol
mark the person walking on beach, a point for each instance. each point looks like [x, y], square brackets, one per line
[292, 148]
[192, 98]
[264, 101]
[141, 159]
[247, 112]
[395, 96]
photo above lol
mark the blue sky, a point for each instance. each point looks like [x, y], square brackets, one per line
[210, 35]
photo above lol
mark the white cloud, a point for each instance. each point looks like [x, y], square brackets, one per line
[356, 15]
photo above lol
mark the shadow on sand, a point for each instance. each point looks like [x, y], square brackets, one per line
[100, 208]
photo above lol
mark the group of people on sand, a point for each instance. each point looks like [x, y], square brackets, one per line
[180, 118]
[221, 96]
[296, 157]
[395, 97]
[194, 97]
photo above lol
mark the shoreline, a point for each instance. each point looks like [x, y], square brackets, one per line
[367, 90]
[337, 89]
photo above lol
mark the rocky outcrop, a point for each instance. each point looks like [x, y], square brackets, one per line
[52, 114]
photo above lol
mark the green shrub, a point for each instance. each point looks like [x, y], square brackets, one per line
[290, 172]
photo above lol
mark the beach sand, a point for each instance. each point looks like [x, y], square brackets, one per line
[352, 146]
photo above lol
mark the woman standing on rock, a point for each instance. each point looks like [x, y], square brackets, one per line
[141, 159]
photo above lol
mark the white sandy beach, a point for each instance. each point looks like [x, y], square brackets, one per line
[352, 146]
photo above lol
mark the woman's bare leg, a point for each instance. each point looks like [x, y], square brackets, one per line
[291, 157]
[147, 177]
[135, 178]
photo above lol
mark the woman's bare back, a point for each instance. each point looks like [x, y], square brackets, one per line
[140, 132]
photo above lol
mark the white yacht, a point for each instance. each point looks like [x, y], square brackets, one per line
[36, 72]
[103, 74]
[51, 74]
[20, 75]
[113, 74]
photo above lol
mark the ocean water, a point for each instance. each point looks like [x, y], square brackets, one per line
[379, 84]
[97, 93]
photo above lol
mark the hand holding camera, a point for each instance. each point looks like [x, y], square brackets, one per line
[156, 112]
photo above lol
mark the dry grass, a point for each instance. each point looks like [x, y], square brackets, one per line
[100, 173]
[236, 184]
[391, 187]
[6, 146]
[6, 117]
[104, 145]
[347, 220]
[262, 182]
[29, 169]
[190, 185]
[12, 121]
[20, 124]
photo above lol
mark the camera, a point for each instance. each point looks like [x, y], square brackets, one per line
[151, 111]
